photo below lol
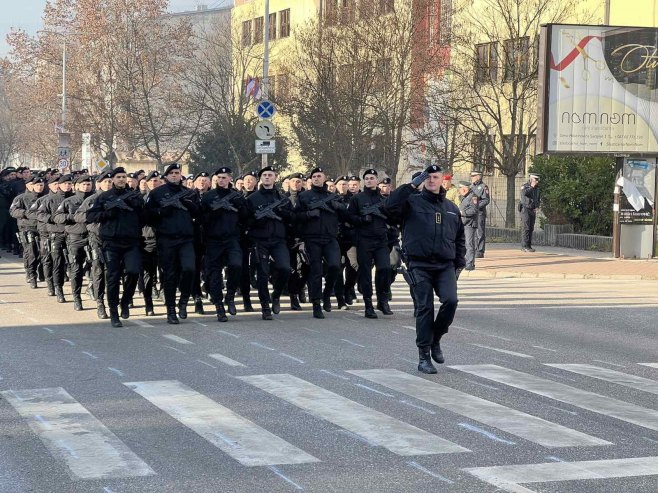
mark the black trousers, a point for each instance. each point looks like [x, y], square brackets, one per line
[299, 270]
[120, 258]
[31, 246]
[57, 245]
[470, 233]
[77, 259]
[368, 250]
[429, 280]
[221, 254]
[46, 259]
[97, 268]
[176, 257]
[278, 250]
[245, 273]
[149, 274]
[199, 272]
[319, 250]
[481, 240]
[528, 224]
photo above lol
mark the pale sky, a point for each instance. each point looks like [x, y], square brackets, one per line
[26, 14]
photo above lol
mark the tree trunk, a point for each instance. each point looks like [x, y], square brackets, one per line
[510, 209]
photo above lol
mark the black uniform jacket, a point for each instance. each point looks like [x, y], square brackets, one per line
[268, 229]
[116, 224]
[223, 224]
[171, 221]
[375, 229]
[325, 226]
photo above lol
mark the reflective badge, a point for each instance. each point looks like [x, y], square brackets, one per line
[438, 218]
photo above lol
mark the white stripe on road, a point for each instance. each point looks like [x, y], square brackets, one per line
[381, 429]
[238, 437]
[650, 365]
[141, 323]
[510, 420]
[505, 351]
[225, 359]
[647, 418]
[509, 478]
[612, 376]
[177, 339]
[72, 434]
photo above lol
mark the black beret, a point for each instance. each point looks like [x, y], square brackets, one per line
[65, 178]
[118, 170]
[263, 170]
[201, 174]
[255, 174]
[103, 176]
[330, 180]
[317, 169]
[370, 171]
[241, 177]
[190, 177]
[433, 168]
[37, 179]
[342, 178]
[224, 170]
[153, 174]
[387, 181]
[417, 173]
[354, 178]
[83, 178]
[132, 175]
[170, 168]
[53, 179]
[297, 175]
[140, 172]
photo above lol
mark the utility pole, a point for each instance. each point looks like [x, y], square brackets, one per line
[266, 63]
[606, 12]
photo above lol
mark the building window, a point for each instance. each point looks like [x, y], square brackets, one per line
[445, 19]
[284, 23]
[517, 58]
[432, 24]
[259, 25]
[246, 33]
[272, 30]
[483, 152]
[486, 69]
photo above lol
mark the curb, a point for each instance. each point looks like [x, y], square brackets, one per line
[503, 274]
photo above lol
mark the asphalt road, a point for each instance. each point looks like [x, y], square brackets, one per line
[335, 405]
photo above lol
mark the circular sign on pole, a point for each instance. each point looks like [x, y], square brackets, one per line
[265, 129]
[265, 109]
[63, 163]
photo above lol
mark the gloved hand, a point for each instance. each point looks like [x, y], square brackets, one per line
[367, 218]
[418, 181]
[338, 205]
[111, 213]
[313, 213]
[458, 271]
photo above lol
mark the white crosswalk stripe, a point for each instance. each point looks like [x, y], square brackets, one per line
[612, 376]
[514, 422]
[238, 437]
[378, 428]
[73, 435]
[624, 411]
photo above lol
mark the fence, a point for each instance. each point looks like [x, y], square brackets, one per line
[553, 236]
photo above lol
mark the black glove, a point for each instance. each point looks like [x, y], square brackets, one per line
[418, 181]
[338, 205]
[111, 213]
[313, 213]
[367, 218]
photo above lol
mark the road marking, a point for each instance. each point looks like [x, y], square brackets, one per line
[50, 331]
[488, 434]
[647, 418]
[613, 376]
[373, 390]
[514, 422]
[198, 323]
[505, 351]
[398, 437]
[650, 365]
[177, 339]
[276, 471]
[546, 349]
[228, 333]
[408, 327]
[262, 346]
[141, 323]
[207, 364]
[411, 404]
[352, 343]
[225, 359]
[70, 343]
[292, 358]
[174, 349]
[92, 356]
[342, 377]
[310, 330]
[418, 466]
[238, 437]
[73, 435]
[557, 375]
[117, 371]
[508, 478]
[608, 363]
[482, 333]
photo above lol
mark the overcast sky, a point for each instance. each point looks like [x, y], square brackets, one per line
[26, 14]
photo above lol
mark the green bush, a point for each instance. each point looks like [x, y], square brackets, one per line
[577, 190]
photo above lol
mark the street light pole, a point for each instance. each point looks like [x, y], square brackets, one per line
[266, 63]
[64, 86]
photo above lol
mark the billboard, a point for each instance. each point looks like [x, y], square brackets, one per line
[598, 90]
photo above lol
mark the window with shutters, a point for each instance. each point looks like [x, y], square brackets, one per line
[284, 23]
[483, 152]
[486, 69]
[272, 30]
[259, 25]
[517, 58]
[246, 33]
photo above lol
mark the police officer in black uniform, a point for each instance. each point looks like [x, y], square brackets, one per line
[530, 202]
[318, 210]
[270, 213]
[367, 215]
[344, 287]
[248, 272]
[76, 235]
[149, 273]
[56, 232]
[28, 228]
[224, 210]
[45, 259]
[433, 243]
[298, 266]
[120, 214]
[171, 210]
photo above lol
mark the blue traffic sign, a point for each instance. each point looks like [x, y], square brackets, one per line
[265, 109]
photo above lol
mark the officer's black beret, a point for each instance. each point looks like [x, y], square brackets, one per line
[140, 172]
[387, 181]
[354, 178]
[82, 178]
[297, 175]
[331, 180]
[53, 179]
[317, 169]
[476, 172]
[65, 178]
[190, 177]
[241, 177]
[342, 178]
[170, 168]
[117, 171]
[224, 170]
[263, 170]
[433, 168]
[370, 171]
[132, 175]
[417, 173]
[463, 183]
[103, 176]
[153, 174]
[37, 179]
[255, 174]
[201, 174]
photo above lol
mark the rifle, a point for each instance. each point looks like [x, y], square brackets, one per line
[373, 210]
[268, 211]
[120, 202]
[225, 203]
[175, 200]
[323, 204]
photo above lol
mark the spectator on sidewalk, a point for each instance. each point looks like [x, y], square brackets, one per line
[452, 192]
[468, 207]
[528, 206]
[482, 192]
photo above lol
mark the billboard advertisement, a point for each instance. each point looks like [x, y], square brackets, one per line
[598, 90]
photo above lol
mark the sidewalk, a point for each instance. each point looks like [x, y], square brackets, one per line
[507, 260]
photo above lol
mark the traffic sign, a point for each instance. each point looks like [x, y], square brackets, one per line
[265, 146]
[265, 109]
[265, 129]
[63, 163]
[64, 152]
[102, 165]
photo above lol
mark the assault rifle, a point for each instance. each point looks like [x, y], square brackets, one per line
[120, 201]
[175, 200]
[373, 210]
[268, 211]
[323, 204]
[225, 203]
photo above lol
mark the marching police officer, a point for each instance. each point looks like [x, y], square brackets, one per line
[28, 227]
[433, 242]
[149, 251]
[44, 238]
[345, 291]
[481, 191]
[530, 202]
[468, 207]
[201, 185]
[171, 210]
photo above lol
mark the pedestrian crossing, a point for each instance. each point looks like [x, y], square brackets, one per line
[90, 450]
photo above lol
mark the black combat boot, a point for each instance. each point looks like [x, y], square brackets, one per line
[437, 354]
[198, 306]
[230, 303]
[33, 283]
[276, 304]
[267, 314]
[424, 361]
[326, 303]
[90, 292]
[341, 303]
[302, 295]
[182, 310]
[125, 311]
[77, 303]
[370, 310]
[221, 313]
[114, 317]
[148, 307]
[294, 303]
[100, 310]
[383, 307]
[317, 310]
[247, 306]
[171, 315]
[59, 292]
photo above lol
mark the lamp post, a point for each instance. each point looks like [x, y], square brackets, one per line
[266, 62]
